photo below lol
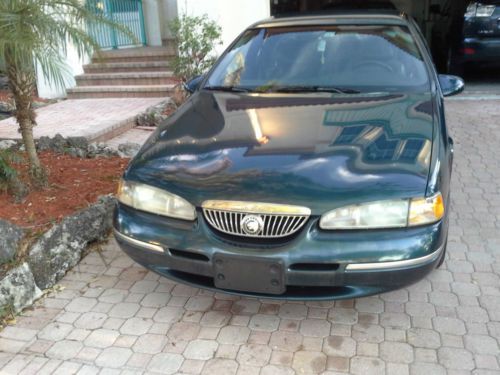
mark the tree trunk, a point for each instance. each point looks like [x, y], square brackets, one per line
[38, 173]
[22, 85]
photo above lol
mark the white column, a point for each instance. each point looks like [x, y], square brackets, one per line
[153, 21]
[170, 12]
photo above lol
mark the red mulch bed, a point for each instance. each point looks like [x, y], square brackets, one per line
[5, 96]
[73, 184]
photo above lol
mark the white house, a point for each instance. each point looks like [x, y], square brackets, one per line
[232, 15]
[149, 19]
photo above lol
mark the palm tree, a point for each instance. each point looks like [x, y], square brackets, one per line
[37, 33]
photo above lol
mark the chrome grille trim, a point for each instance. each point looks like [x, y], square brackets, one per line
[279, 220]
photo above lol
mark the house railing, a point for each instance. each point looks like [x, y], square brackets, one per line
[128, 13]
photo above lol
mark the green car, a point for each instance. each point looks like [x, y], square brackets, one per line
[312, 162]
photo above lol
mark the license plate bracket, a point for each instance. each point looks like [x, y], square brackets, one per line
[248, 274]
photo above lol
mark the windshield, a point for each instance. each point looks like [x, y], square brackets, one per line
[349, 58]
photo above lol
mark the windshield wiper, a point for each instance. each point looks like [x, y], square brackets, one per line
[299, 89]
[227, 88]
[285, 89]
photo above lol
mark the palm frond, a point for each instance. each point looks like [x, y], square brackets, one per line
[41, 31]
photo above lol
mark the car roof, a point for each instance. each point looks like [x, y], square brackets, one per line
[337, 17]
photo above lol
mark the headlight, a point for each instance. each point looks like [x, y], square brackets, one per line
[147, 198]
[399, 213]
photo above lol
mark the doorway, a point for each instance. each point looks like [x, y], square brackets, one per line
[127, 13]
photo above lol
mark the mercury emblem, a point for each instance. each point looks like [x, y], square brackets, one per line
[252, 224]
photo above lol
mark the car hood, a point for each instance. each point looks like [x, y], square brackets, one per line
[317, 150]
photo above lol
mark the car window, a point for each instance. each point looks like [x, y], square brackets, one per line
[360, 57]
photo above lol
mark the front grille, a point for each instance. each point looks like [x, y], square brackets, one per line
[234, 218]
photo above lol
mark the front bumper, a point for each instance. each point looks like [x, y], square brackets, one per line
[315, 264]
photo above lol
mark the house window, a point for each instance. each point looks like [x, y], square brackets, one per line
[382, 149]
[349, 134]
[412, 149]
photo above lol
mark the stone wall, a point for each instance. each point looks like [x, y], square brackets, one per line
[51, 255]
[75, 146]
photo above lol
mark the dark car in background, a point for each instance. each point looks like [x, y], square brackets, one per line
[479, 42]
[312, 162]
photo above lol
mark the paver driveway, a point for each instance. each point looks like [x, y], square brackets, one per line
[114, 317]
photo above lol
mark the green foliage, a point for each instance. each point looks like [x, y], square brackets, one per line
[38, 33]
[9, 178]
[7, 172]
[7, 311]
[196, 37]
[42, 30]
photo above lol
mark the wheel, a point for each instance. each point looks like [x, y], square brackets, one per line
[443, 256]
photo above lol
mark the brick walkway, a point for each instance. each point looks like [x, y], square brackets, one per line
[136, 135]
[95, 119]
[114, 317]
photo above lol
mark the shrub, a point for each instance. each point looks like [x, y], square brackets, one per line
[9, 179]
[196, 37]
[2, 66]
[7, 172]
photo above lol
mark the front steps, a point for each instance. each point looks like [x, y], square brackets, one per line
[139, 54]
[132, 72]
[127, 67]
[119, 91]
[126, 79]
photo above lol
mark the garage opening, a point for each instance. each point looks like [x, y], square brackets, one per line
[441, 21]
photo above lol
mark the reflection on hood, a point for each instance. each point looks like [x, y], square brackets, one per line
[224, 144]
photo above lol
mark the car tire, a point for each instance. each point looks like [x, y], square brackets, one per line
[443, 256]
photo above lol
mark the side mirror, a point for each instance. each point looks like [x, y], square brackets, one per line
[451, 85]
[193, 84]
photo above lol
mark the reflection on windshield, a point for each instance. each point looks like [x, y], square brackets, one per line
[233, 73]
[340, 58]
